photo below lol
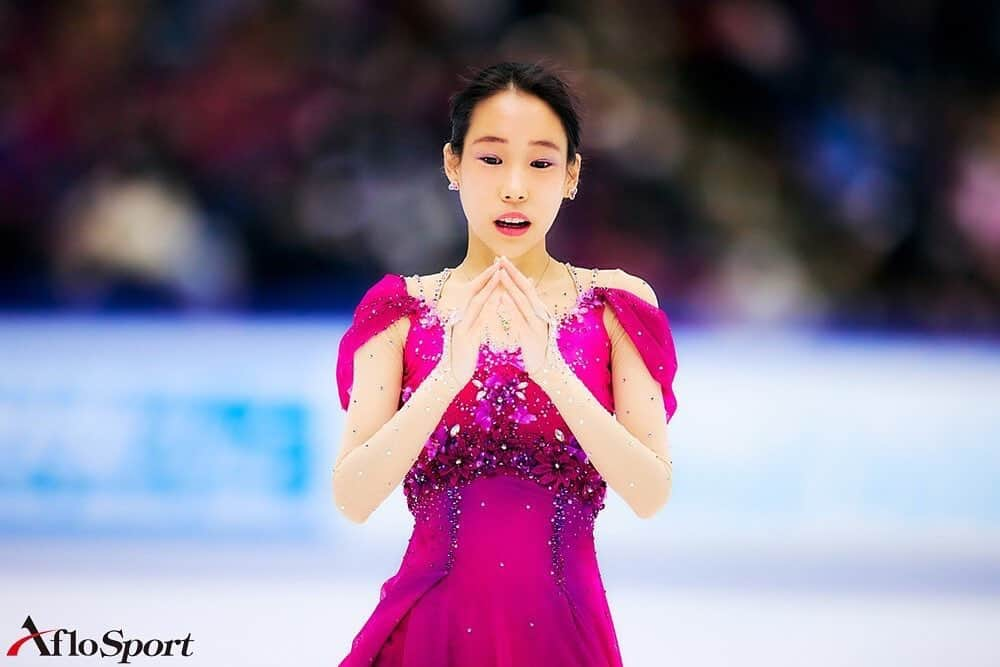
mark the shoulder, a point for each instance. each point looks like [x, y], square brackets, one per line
[383, 304]
[389, 285]
[395, 290]
[621, 279]
[417, 284]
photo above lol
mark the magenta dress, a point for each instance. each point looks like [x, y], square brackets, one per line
[501, 568]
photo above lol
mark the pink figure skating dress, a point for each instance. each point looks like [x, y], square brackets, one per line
[501, 568]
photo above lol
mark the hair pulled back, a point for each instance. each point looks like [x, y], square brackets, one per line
[527, 77]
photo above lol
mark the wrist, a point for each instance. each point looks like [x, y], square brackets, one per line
[445, 377]
[553, 368]
[444, 370]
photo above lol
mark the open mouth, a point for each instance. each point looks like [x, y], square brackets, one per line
[512, 227]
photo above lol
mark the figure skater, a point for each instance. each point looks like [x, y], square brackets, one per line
[506, 394]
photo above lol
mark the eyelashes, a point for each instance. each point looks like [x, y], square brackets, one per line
[490, 157]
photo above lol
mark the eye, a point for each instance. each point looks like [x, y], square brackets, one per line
[545, 163]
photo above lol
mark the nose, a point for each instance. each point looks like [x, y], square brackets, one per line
[514, 188]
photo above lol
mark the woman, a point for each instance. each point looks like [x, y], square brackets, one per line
[506, 394]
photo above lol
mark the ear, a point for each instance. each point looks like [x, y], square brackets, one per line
[573, 174]
[451, 162]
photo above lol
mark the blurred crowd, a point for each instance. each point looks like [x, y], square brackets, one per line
[775, 162]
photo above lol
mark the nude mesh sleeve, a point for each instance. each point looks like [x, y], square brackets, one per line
[629, 447]
[380, 440]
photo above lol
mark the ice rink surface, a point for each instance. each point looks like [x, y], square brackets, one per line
[266, 607]
[835, 502]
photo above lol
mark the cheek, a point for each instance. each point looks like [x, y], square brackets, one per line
[474, 203]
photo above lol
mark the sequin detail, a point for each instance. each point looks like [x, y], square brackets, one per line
[451, 461]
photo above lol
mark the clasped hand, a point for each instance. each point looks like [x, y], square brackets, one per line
[500, 286]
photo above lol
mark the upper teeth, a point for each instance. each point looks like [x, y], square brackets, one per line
[512, 220]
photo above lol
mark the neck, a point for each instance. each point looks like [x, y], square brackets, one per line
[531, 263]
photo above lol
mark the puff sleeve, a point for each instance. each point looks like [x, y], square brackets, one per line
[382, 305]
[649, 329]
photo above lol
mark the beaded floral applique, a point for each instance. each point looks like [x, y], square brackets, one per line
[453, 457]
[495, 441]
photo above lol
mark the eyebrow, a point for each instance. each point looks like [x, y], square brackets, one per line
[501, 140]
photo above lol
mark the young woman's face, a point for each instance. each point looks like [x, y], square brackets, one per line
[514, 160]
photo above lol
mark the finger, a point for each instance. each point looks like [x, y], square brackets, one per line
[522, 304]
[479, 303]
[492, 303]
[477, 284]
[517, 318]
[476, 303]
[493, 265]
[519, 326]
[482, 322]
[527, 288]
[474, 286]
[480, 280]
[520, 279]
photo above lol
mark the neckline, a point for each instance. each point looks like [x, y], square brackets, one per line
[561, 321]
[569, 269]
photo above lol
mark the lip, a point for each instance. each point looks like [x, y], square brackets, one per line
[514, 215]
[512, 231]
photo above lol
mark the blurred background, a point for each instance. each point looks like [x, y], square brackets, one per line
[194, 196]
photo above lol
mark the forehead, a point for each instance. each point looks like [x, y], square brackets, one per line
[518, 117]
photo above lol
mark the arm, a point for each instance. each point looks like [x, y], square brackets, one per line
[629, 449]
[381, 443]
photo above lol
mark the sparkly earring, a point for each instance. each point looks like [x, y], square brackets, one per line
[572, 193]
[453, 185]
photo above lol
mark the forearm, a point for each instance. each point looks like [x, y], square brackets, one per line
[637, 473]
[368, 473]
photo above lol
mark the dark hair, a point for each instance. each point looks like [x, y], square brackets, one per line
[528, 77]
